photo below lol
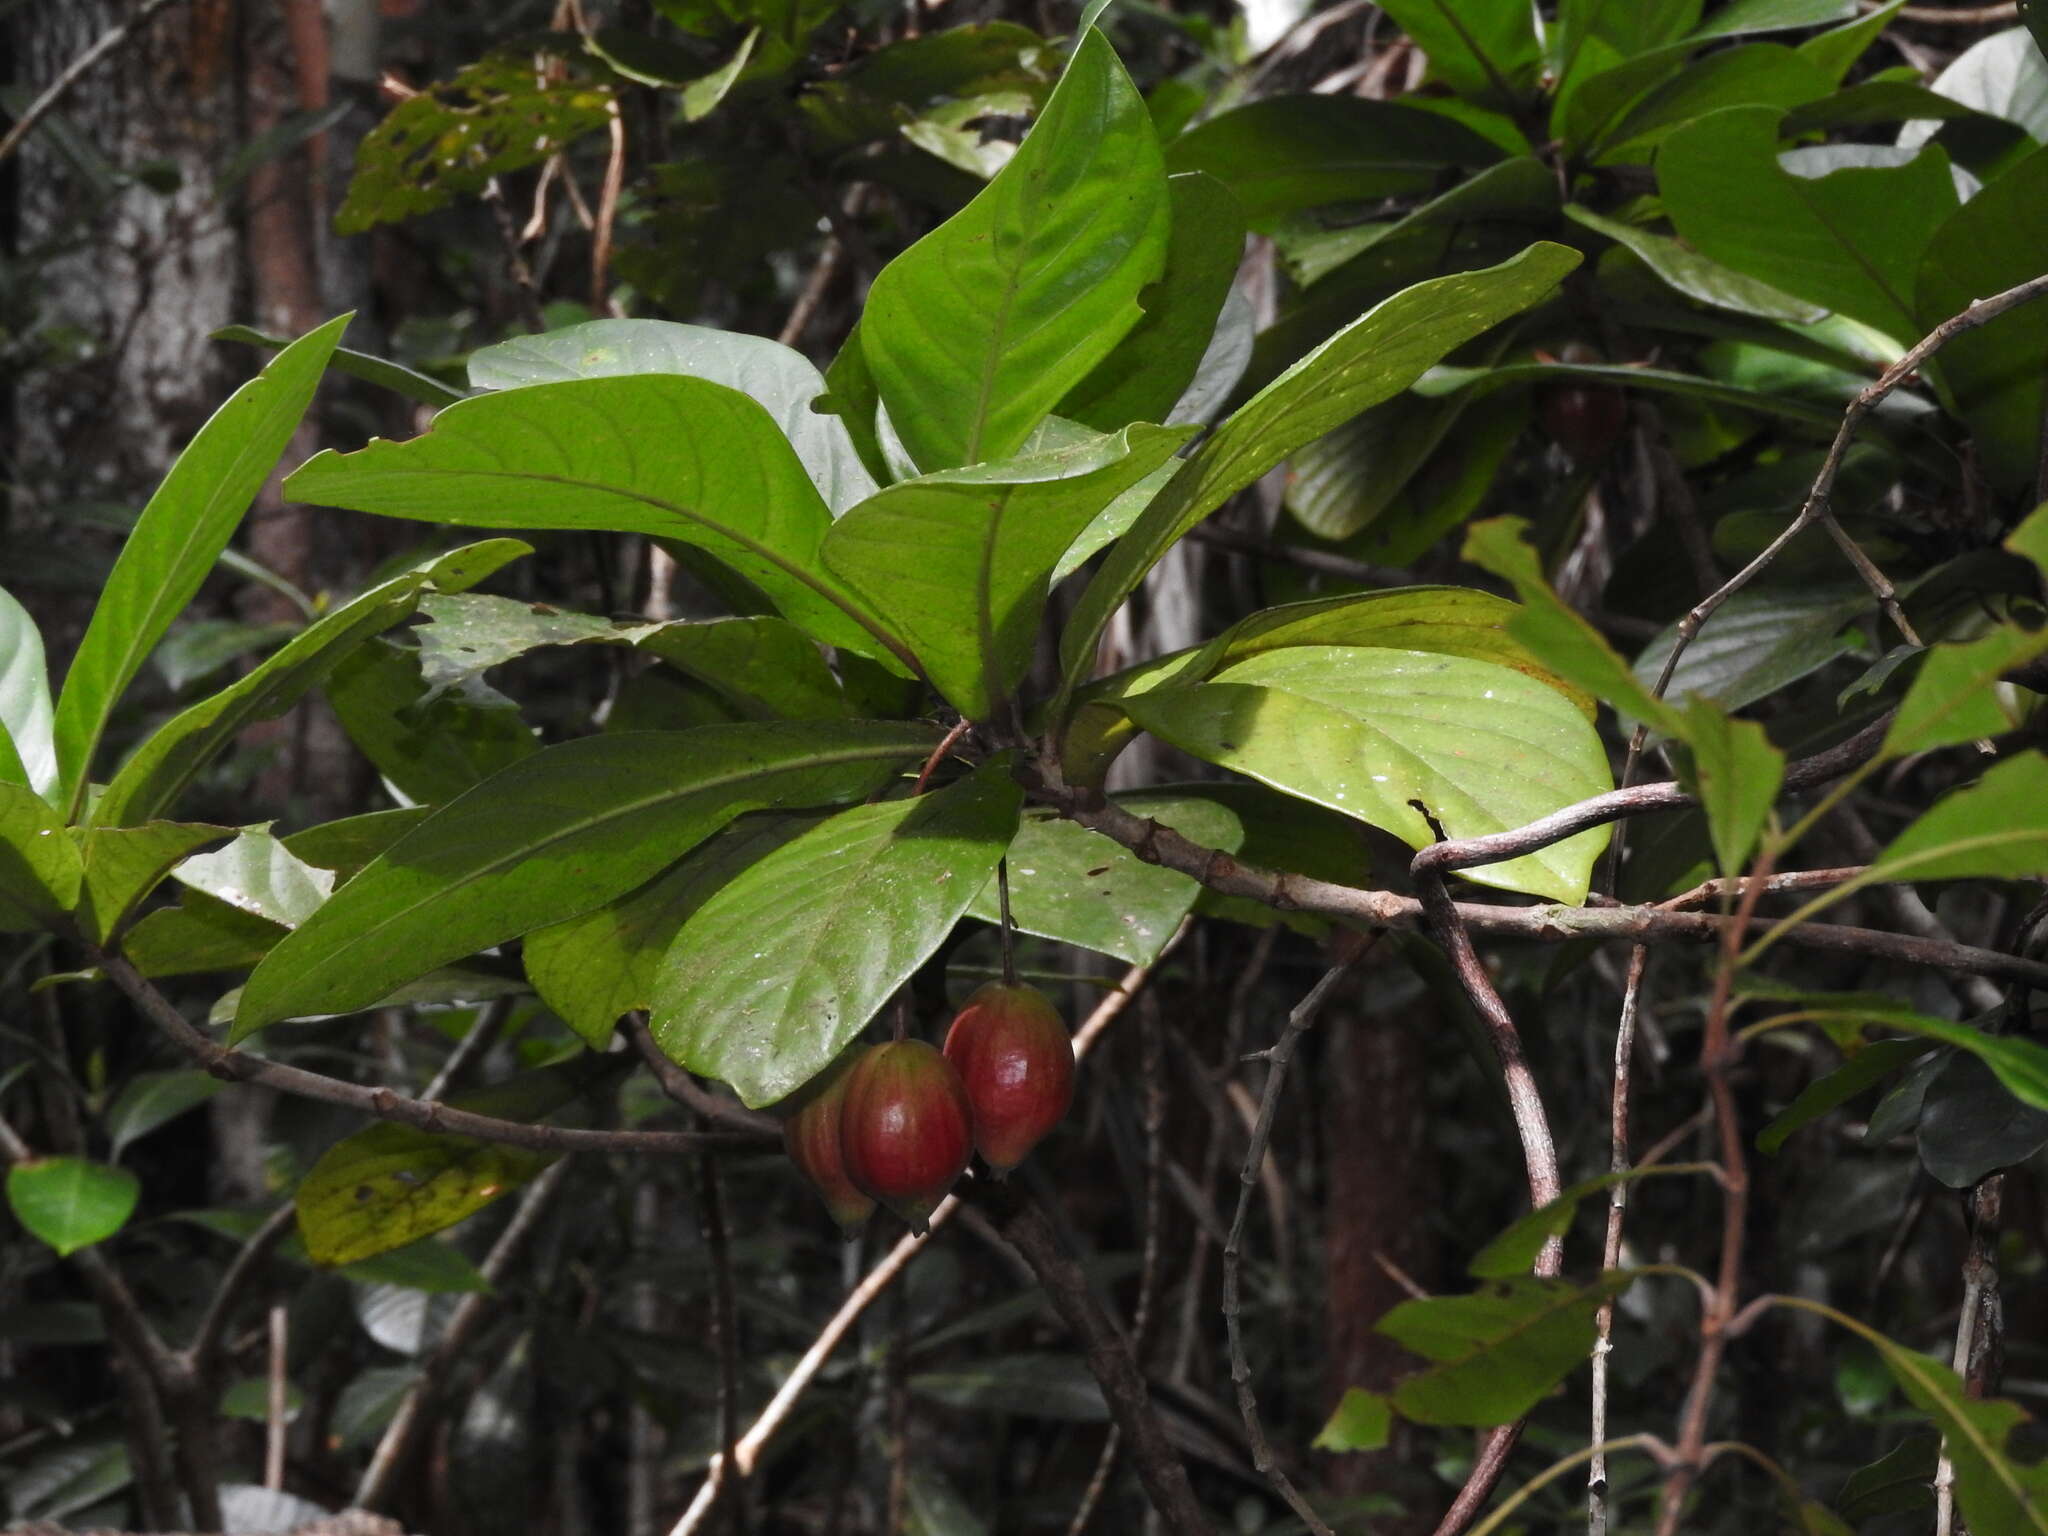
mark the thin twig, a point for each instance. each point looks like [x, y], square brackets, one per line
[607, 211]
[280, 1400]
[241, 1067]
[1610, 1250]
[1960, 16]
[679, 1085]
[203, 1353]
[1284, 891]
[414, 1416]
[1719, 1048]
[879, 1279]
[483, 1034]
[1299, 1020]
[725, 1327]
[77, 70]
[1979, 1330]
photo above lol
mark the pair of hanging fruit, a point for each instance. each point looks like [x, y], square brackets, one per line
[895, 1123]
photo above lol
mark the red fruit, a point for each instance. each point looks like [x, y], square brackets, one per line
[1013, 1053]
[1586, 421]
[904, 1130]
[810, 1134]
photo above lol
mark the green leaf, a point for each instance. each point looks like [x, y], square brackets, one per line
[496, 115]
[778, 971]
[1498, 1351]
[981, 327]
[1994, 829]
[1288, 153]
[468, 633]
[257, 874]
[1954, 697]
[764, 668]
[390, 1185]
[659, 454]
[1775, 16]
[552, 837]
[1871, 1063]
[176, 541]
[198, 934]
[1899, 1482]
[1076, 886]
[1736, 772]
[1517, 1247]
[426, 1265]
[1564, 641]
[2021, 1065]
[1362, 1422]
[1838, 49]
[396, 377]
[1448, 621]
[1755, 74]
[1686, 271]
[1761, 640]
[1970, 1127]
[1485, 50]
[1370, 360]
[1153, 365]
[1993, 371]
[346, 845]
[782, 380]
[39, 864]
[431, 752]
[1365, 732]
[1852, 240]
[2004, 75]
[124, 864]
[70, 1203]
[595, 968]
[148, 784]
[958, 562]
[151, 1099]
[28, 755]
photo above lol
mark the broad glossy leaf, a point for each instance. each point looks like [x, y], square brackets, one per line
[197, 648]
[1482, 49]
[981, 327]
[2003, 74]
[1838, 49]
[1365, 732]
[1448, 621]
[781, 379]
[764, 668]
[152, 1099]
[71, 1203]
[430, 752]
[1288, 153]
[39, 864]
[468, 633]
[659, 454]
[1694, 275]
[1112, 520]
[1872, 1063]
[1755, 74]
[1852, 241]
[1371, 360]
[28, 755]
[148, 784]
[552, 837]
[2021, 1065]
[1516, 1248]
[177, 539]
[1076, 886]
[1745, 16]
[1345, 479]
[777, 972]
[198, 934]
[124, 864]
[1970, 1126]
[1954, 696]
[1994, 371]
[1143, 379]
[1559, 637]
[1899, 1482]
[597, 967]
[958, 562]
[346, 845]
[257, 874]
[396, 377]
[1995, 829]
[1522, 191]
[1498, 1351]
[1735, 771]
[1759, 641]
[1362, 1421]
[390, 1185]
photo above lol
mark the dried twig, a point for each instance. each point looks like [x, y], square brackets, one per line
[241, 1067]
[1610, 1250]
[1299, 1020]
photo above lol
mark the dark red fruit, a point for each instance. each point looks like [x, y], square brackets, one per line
[810, 1134]
[904, 1129]
[1013, 1053]
[1584, 421]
